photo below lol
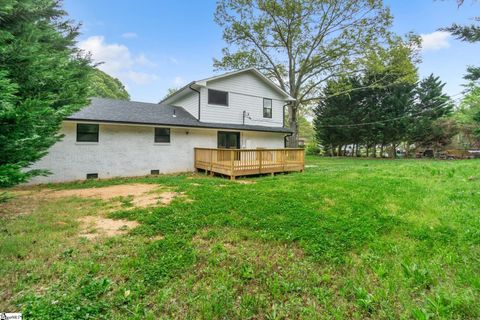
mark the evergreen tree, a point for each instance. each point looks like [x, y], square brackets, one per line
[43, 79]
[431, 104]
[468, 33]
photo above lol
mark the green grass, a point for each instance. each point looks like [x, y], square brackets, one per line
[348, 238]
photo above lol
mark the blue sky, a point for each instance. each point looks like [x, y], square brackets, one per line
[153, 45]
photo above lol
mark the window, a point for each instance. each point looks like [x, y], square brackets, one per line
[162, 135]
[87, 132]
[267, 108]
[218, 97]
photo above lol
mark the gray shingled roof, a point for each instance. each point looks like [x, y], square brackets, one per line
[132, 112]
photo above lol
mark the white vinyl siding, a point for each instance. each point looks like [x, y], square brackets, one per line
[246, 93]
[189, 103]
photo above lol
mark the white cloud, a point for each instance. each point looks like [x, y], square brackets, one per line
[117, 60]
[129, 35]
[178, 81]
[173, 60]
[141, 77]
[142, 60]
[435, 41]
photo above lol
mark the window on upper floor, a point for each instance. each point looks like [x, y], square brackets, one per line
[162, 135]
[218, 97]
[87, 132]
[267, 108]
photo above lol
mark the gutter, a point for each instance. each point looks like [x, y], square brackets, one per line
[212, 126]
[190, 87]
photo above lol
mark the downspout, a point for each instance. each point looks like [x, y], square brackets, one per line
[283, 125]
[285, 139]
[190, 87]
[283, 109]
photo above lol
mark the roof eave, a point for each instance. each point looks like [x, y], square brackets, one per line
[204, 126]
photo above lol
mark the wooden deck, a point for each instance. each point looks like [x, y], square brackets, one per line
[242, 162]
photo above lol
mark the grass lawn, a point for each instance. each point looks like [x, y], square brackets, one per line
[348, 238]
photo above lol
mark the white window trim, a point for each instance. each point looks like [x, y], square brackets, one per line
[162, 143]
[88, 143]
[219, 105]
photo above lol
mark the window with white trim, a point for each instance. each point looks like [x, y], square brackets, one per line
[162, 135]
[267, 108]
[216, 97]
[87, 132]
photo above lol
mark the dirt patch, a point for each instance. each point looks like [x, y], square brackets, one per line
[142, 195]
[93, 227]
[106, 193]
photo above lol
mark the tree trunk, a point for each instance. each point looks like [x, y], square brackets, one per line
[339, 151]
[381, 150]
[292, 141]
[368, 149]
[375, 150]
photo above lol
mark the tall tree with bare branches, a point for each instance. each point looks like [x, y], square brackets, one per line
[300, 44]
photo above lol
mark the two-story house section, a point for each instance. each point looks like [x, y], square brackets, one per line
[109, 138]
[244, 97]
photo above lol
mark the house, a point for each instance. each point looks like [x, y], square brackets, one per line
[110, 138]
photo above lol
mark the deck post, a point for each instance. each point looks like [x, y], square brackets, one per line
[260, 161]
[232, 165]
[211, 159]
[195, 159]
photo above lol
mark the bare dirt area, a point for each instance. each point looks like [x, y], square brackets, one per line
[125, 196]
[106, 193]
[92, 227]
[143, 195]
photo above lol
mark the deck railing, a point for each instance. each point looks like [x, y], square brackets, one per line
[240, 162]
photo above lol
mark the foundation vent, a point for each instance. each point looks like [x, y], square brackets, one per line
[92, 175]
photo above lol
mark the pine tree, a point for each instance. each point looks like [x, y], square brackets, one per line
[43, 79]
[468, 33]
[431, 104]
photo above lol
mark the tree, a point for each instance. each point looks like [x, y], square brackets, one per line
[170, 91]
[43, 79]
[305, 128]
[105, 86]
[443, 130]
[431, 104]
[468, 118]
[369, 110]
[469, 33]
[300, 44]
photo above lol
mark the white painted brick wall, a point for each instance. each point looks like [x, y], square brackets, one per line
[127, 150]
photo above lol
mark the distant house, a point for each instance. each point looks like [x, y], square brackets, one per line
[109, 138]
